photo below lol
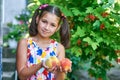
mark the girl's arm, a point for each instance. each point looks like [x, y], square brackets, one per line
[61, 54]
[21, 59]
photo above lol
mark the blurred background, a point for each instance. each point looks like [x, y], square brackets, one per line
[94, 29]
[8, 10]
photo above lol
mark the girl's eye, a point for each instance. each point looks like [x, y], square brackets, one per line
[44, 21]
[53, 25]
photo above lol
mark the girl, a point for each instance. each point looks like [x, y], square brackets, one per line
[33, 51]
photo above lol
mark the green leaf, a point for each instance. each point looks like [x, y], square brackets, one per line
[75, 11]
[88, 39]
[90, 42]
[81, 32]
[87, 51]
[77, 51]
[94, 45]
[89, 10]
[81, 18]
[99, 39]
[66, 11]
[117, 6]
[111, 1]
[96, 24]
[92, 34]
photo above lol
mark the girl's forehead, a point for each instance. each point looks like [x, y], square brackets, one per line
[51, 17]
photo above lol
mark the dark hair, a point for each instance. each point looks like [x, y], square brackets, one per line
[64, 28]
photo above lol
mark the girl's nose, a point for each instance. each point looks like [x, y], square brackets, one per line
[47, 27]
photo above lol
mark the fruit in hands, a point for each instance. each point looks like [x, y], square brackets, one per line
[52, 62]
[66, 64]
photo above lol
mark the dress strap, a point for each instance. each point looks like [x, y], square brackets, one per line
[54, 45]
[29, 40]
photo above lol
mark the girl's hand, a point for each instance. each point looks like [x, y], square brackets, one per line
[65, 65]
[53, 69]
[51, 64]
[65, 71]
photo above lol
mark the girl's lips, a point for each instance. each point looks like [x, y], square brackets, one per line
[44, 31]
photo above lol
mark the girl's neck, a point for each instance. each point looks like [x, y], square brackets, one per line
[41, 39]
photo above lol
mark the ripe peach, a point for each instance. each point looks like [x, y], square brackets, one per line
[51, 62]
[66, 64]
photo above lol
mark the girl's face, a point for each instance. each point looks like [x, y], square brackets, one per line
[47, 25]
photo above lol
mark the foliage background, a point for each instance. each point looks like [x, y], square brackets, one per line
[95, 33]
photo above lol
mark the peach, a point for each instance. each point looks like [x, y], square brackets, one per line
[51, 62]
[66, 64]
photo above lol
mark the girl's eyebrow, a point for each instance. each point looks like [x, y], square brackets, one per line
[55, 23]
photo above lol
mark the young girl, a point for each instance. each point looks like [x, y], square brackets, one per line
[32, 51]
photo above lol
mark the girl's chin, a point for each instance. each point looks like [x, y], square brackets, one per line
[45, 36]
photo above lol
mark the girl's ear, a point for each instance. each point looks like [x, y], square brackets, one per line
[37, 19]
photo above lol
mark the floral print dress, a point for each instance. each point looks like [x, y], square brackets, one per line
[35, 55]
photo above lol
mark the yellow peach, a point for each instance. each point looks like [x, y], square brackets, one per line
[51, 62]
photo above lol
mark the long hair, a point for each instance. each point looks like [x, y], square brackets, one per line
[64, 28]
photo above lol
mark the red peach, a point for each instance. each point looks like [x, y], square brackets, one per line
[66, 64]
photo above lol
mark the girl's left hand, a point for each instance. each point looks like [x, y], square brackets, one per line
[65, 65]
[63, 70]
[53, 69]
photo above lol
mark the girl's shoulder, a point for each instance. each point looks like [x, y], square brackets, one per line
[60, 46]
[60, 51]
[24, 41]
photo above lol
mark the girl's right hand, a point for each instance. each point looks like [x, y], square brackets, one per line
[51, 69]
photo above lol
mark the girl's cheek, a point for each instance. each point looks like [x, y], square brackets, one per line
[41, 25]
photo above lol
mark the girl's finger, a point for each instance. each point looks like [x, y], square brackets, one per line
[70, 70]
[61, 69]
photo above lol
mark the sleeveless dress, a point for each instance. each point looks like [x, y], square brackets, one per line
[35, 55]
